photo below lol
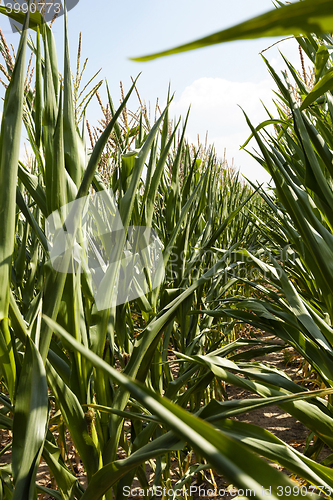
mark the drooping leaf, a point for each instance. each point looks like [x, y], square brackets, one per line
[308, 16]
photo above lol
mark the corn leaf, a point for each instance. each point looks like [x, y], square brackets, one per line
[218, 449]
[30, 421]
[308, 16]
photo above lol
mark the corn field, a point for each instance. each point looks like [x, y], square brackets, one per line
[123, 378]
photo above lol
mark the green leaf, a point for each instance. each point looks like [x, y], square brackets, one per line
[31, 183]
[58, 192]
[308, 16]
[50, 114]
[8, 364]
[35, 18]
[75, 420]
[263, 442]
[263, 125]
[30, 421]
[10, 137]
[74, 150]
[324, 85]
[322, 57]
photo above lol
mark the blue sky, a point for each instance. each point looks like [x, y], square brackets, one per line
[214, 79]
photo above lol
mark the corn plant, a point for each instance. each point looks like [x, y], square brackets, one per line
[292, 297]
[294, 301]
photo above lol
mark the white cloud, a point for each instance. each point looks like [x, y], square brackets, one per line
[215, 108]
